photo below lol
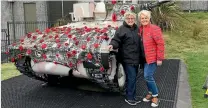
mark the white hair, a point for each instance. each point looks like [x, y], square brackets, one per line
[145, 12]
[128, 14]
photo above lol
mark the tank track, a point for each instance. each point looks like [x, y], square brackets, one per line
[106, 84]
[23, 65]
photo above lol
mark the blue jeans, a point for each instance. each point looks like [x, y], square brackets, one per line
[131, 73]
[149, 70]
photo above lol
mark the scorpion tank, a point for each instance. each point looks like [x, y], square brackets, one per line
[78, 49]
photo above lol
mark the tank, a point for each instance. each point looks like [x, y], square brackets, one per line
[78, 49]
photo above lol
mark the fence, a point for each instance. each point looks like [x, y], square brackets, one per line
[4, 45]
[15, 30]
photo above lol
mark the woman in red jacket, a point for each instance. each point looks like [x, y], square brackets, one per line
[153, 54]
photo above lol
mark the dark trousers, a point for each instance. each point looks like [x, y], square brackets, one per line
[131, 73]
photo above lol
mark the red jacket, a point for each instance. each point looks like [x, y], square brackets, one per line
[153, 43]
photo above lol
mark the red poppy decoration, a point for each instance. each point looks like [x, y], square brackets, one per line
[77, 43]
[65, 64]
[104, 31]
[88, 39]
[103, 37]
[35, 60]
[77, 29]
[102, 69]
[114, 17]
[122, 12]
[12, 59]
[85, 27]
[68, 54]
[44, 46]
[58, 45]
[37, 30]
[96, 45]
[55, 62]
[14, 44]
[29, 35]
[83, 47]
[107, 38]
[34, 37]
[98, 37]
[43, 36]
[44, 56]
[57, 40]
[88, 29]
[57, 55]
[113, 2]
[62, 29]
[97, 30]
[66, 44]
[132, 8]
[41, 41]
[21, 40]
[69, 29]
[53, 29]
[66, 33]
[50, 36]
[47, 30]
[7, 52]
[74, 39]
[56, 36]
[79, 61]
[74, 52]
[19, 56]
[70, 64]
[89, 56]
[70, 36]
[21, 48]
[29, 51]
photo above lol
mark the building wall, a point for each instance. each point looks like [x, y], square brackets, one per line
[18, 15]
[5, 14]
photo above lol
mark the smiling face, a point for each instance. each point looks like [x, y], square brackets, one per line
[130, 20]
[144, 19]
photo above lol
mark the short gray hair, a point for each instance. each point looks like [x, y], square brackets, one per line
[145, 12]
[128, 14]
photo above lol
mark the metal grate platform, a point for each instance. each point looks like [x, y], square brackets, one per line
[23, 92]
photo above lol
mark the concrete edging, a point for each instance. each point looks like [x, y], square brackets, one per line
[184, 90]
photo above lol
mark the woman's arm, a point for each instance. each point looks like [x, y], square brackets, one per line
[158, 38]
[116, 40]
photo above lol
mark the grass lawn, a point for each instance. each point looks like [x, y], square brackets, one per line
[198, 70]
[8, 70]
[192, 48]
[188, 44]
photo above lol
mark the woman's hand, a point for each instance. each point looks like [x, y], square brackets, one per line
[110, 47]
[159, 63]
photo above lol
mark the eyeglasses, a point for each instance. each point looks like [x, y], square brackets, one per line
[130, 18]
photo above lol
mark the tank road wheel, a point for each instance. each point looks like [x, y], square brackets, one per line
[121, 78]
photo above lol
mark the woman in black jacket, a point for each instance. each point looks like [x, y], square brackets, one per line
[126, 39]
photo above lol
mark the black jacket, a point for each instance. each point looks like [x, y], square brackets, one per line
[127, 40]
